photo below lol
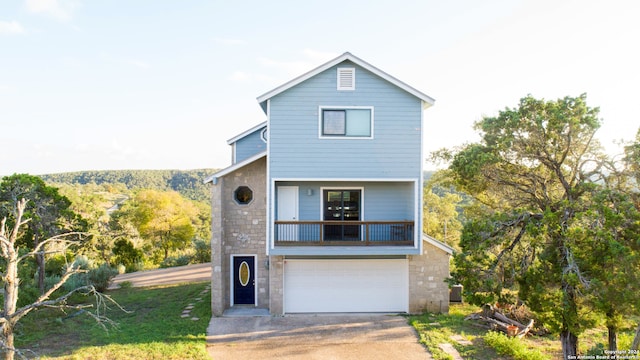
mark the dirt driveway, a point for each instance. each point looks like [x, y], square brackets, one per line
[370, 337]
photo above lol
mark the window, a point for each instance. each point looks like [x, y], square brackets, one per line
[356, 122]
[243, 195]
[346, 78]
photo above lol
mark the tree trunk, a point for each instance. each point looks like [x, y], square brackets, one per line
[636, 339]
[569, 344]
[11, 283]
[8, 338]
[613, 338]
[41, 272]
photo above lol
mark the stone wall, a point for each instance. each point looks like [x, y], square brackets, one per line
[276, 279]
[239, 229]
[427, 289]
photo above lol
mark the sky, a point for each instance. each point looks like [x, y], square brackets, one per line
[159, 84]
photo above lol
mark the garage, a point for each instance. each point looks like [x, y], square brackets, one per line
[345, 285]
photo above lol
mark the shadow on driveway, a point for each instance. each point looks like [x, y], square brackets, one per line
[362, 336]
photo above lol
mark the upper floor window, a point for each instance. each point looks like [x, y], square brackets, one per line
[346, 78]
[346, 122]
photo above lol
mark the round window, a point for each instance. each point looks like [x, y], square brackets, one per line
[243, 195]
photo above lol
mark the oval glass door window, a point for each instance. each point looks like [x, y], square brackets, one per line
[243, 273]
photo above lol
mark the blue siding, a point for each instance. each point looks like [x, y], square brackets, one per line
[297, 151]
[383, 201]
[249, 145]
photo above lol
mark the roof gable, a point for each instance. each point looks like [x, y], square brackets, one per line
[214, 178]
[438, 244]
[247, 133]
[427, 101]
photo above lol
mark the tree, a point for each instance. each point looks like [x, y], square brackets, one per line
[11, 314]
[90, 202]
[440, 218]
[50, 213]
[533, 171]
[165, 219]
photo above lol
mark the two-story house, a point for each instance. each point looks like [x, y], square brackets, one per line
[321, 209]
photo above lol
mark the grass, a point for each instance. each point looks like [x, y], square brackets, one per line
[154, 328]
[435, 329]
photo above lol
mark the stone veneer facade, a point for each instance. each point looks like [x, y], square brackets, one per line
[428, 290]
[241, 230]
[238, 230]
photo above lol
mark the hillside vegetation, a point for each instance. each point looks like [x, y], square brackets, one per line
[189, 183]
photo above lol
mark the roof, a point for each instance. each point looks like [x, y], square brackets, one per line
[247, 132]
[426, 99]
[213, 178]
[439, 244]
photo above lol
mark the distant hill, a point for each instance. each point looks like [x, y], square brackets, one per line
[189, 183]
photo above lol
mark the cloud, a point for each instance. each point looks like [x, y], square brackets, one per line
[59, 9]
[10, 27]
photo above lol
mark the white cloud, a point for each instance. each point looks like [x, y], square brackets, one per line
[11, 27]
[59, 9]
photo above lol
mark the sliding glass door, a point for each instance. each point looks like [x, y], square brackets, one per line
[342, 205]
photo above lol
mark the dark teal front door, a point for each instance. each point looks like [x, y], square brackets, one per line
[244, 289]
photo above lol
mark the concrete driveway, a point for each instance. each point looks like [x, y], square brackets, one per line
[341, 337]
[174, 275]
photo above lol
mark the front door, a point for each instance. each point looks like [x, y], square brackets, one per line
[287, 210]
[244, 283]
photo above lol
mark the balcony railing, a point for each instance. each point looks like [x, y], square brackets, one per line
[344, 233]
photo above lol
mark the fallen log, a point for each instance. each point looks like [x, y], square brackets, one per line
[525, 331]
[505, 319]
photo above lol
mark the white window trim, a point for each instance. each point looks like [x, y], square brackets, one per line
[344, 137]
[350, 71]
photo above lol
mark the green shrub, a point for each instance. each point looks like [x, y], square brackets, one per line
[505, 345]
[55, 265]
[203, 251]
[101, 277]
[126, 254]
[176, 261]
[75, 281]
[121, 269]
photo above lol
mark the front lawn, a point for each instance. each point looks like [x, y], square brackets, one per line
[436, 329]
[154, 328]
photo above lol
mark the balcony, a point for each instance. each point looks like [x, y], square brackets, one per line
[344, 233]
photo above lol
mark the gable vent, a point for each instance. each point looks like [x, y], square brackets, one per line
[346, 78]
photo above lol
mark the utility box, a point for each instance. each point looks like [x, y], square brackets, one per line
[455, 294]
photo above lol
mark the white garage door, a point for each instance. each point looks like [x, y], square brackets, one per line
[379, 285]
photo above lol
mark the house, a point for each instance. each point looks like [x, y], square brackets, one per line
[321, 208]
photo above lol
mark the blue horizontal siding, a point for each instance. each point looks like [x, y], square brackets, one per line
[383, 201]
[249, 145]
[297, 151]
